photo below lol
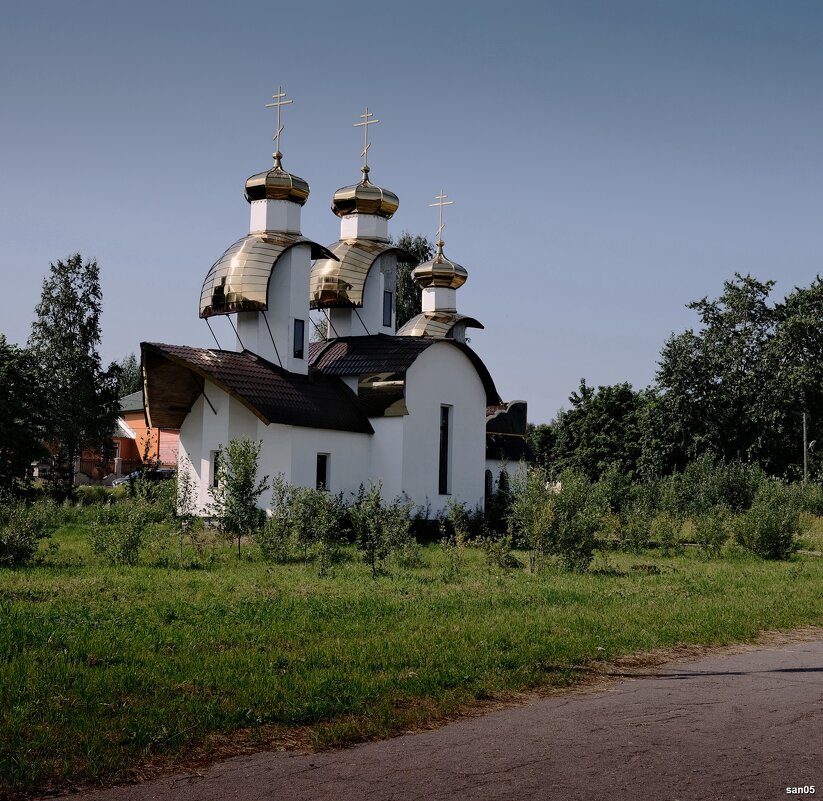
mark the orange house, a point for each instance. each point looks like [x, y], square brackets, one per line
[135, 442]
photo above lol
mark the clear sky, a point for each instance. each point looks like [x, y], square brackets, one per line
[609, 161]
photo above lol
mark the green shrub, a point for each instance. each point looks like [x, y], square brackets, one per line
[772, 526]
[635, 528]
[498, 551]
[379, 528]
[118, 532]
[711, 530]
[21, 529]
[665, 531]
[530, 514]
[706, 484]
[274, 537]
[90, 494]
[577, 514]
[809, 498]
[238, 490]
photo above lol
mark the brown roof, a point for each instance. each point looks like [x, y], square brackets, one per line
[382, 353]
[175, 376]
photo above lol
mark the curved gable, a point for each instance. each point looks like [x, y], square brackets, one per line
[239, 279]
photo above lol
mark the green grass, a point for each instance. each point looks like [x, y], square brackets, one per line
[105, 669]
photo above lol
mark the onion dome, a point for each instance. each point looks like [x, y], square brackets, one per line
[440, 272]
[364, 198]
[277, 184]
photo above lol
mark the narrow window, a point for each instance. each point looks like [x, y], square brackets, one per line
[322, 471]
[489, 485]
[443, 483]
[387, 309]
[215, 468]
[299, 335]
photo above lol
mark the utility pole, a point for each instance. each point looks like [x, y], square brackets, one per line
[805, 449]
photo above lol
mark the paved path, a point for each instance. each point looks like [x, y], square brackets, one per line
[733, 726]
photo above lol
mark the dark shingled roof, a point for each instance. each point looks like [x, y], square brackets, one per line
[368, 354]
[176, 374]
[382, 353]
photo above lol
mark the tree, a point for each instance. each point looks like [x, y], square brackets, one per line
[21, 440]
[130, 378]
[408, 298]
[713, 379]
[238, 490]
[601, 430]
[78, 398]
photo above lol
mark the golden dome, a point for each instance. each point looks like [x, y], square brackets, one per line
[440, 272]
[364, 198]
[277, 184]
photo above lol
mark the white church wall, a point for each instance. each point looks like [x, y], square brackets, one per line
[202, 433]
[275, 455]
[348, 458]
[387, 455]
[443, 375]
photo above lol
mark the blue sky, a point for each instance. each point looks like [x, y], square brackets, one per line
[609, 161]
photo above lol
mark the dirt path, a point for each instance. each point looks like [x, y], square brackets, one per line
[742, 724]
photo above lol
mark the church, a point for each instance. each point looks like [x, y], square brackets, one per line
[413, 408]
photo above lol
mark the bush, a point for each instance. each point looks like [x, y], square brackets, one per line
[706, 484]
[21, 529]
[711, 530]
[238, 490]
[498, 551]
[92, 494]
[274, 538]
[665, 530]
[560, 518]
[808, 498]
[118, 532]
[530, 514]
[634, 529]
[772, 525]
[379, 528]
[577, 514]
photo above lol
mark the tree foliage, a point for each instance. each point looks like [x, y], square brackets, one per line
[238, 489]
[78, 398]
[602, 429]
[737, 387]
[20, 420]
[130, 377]
[408, 297]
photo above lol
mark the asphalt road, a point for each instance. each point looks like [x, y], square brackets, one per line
[728, 726]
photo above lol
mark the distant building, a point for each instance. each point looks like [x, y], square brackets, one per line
[406, 408]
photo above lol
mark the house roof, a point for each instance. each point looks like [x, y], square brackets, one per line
[176, 374]
[133, 402]
[381, 353]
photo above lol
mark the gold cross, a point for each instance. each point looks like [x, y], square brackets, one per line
[366, 117]
[278, 102]
[441, 201]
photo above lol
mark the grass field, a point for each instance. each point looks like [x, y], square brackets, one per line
[104, 670]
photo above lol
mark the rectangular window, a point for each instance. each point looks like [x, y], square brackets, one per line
[443, 478]
[322, 471]
[215, 468]
[299, 336]
[387, 309]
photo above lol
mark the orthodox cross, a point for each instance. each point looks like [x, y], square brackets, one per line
[278, 102]
[366, 116]
[441, 201]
